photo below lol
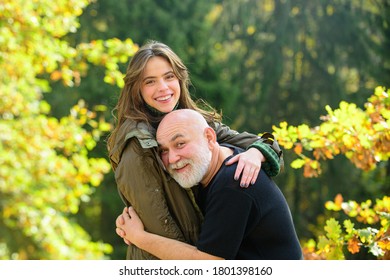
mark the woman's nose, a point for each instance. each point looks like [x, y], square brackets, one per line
[162, 85]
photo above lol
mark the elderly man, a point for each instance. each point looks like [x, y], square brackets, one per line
[239, 223]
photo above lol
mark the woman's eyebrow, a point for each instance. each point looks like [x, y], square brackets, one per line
[153, 77]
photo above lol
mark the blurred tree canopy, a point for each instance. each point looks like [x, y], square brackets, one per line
[263, 63]
[46, 169]
[365, 141]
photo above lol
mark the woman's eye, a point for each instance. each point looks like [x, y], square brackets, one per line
[170, 77]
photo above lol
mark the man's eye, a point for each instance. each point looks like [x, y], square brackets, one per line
[163, 152]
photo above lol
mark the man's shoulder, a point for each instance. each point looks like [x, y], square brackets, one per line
[236, 150]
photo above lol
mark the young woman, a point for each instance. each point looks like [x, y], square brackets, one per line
[156, 83]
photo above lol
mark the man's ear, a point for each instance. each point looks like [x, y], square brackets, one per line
[210, 135]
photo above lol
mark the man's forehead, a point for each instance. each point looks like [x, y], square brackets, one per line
[181, 121]
[171, 132]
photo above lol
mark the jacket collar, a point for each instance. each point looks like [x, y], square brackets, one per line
[143, 132]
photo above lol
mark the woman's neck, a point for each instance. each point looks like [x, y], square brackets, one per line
[156, 114]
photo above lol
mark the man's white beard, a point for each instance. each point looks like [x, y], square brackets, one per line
[198, 168]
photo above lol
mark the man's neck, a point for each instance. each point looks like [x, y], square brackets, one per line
[218, 156]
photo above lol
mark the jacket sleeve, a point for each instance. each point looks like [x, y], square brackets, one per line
[141, 183]
[266, 143]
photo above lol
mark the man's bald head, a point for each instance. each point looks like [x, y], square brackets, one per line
[187, 118]
[186, 144]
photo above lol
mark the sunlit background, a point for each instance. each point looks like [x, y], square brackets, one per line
[315, 73]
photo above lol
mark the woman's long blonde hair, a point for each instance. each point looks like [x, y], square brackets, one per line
[131, 104]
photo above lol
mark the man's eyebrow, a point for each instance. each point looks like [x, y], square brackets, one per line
[174, 137]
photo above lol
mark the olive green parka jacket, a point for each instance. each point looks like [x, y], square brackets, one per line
[164, 207]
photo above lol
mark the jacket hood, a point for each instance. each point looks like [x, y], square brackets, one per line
[129, 129]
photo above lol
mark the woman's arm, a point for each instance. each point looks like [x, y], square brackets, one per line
[266, 144]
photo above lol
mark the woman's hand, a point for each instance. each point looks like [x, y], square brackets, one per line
[249, 164]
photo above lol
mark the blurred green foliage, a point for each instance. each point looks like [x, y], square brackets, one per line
[46, 167]
[365, 141]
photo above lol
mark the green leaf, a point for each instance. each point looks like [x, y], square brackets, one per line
[333, 229]
[349, 226]
[298, 163]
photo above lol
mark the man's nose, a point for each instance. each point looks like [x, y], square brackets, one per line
[173, 157]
